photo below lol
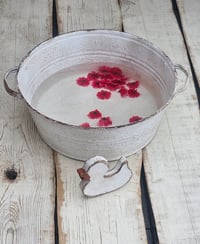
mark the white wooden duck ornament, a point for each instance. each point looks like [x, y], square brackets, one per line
[97, 178]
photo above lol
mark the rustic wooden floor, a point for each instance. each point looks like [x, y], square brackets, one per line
[39, 198]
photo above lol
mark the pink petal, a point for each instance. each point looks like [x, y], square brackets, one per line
[85, 125]
[105, 121]
[95, 114]
[104, 95]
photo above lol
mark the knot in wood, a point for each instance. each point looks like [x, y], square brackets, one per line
[11, 173]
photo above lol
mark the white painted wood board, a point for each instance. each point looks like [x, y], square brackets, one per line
[190, 19]
[115, 217]
[88, 14]
[171, 160]
[26, 203]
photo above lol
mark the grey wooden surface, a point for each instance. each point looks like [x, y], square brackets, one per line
[40, 201]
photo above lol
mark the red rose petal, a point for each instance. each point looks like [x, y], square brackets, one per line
[95, 114]
[134, 84]
[93, 75]
[133, 93]
[112, 86]
[98, 84]
[107, 76]
[103, 94]
[104, 69]
[124, 78]
[119, 81]
[85, 125]
[135, 119]
[112, 79]
[123, 92]
[82, 81]
[105, 121]
[116, 71]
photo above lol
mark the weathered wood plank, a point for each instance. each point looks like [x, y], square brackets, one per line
[87, 14]
[190, 19]
[26, 203]
[111, 218]
[171, 161]
[115, 217]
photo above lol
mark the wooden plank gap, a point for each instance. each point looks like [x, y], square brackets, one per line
[149, 219]
[55, 33]
[54, 20]
[56, 231]
[122, 25]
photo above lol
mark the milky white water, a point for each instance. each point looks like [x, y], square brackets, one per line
[60, 98]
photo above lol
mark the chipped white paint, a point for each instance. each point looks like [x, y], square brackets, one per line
[98, 178]
[27, 202]
[171, 160]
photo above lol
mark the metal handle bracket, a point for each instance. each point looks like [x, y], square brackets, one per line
[6, 86]
[182, 85]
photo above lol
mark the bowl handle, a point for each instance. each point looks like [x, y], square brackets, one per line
[181, 87]
[6, 86]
